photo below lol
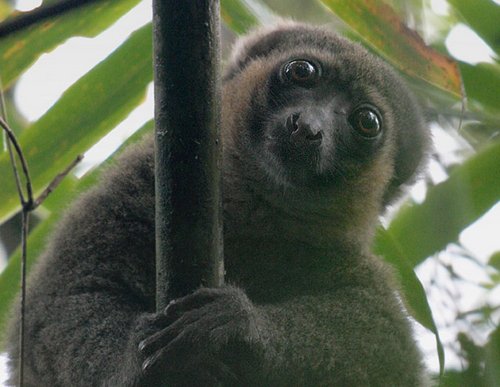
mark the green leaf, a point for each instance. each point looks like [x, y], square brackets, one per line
[56, 202]
[494, 260]
[242, 15]
[20, 50]
[5, 10]
[413, 291]
[482, 16]
[87, 111]
[482, 85]
[237, 16]
[492, 358]
[472, 188]
[379, 25]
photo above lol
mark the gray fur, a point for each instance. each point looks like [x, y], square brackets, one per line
[307, 305]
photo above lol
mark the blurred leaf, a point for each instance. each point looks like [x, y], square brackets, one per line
[57, 202]
[495, 277]
[483, 17]
[482, 84]
[381, 27]
[494, 260]
[5, 10]
[237, 16]
[413, 291]
[305, 11]
[20, 50]
[16, 121]
[492, 357]
[87, 110]
[242, 15]
[480, 366]
[424, 229]
[480, 134]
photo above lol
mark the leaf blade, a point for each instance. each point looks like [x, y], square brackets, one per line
[482, 16]
[91, 107]
[412, 290]
[20, 50]
[381, 27]
[471, 190]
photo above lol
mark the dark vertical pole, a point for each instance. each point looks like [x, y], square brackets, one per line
[187, 118]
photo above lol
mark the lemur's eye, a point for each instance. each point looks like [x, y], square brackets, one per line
[300, 71]
[366, 121]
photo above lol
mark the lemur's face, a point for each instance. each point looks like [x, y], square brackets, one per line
[321, 124]
[323, 111]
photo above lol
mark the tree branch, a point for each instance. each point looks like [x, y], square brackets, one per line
[187, 118]
[27, 19]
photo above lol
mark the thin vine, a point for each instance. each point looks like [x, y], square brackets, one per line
[28, 204]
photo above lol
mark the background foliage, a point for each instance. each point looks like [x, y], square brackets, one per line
[417, 233]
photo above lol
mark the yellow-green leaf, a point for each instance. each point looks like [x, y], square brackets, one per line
[482, 85]
[472, 189]
[482, 16]
[413, 291]
[90, 108]
[18, 51]
[242, 15]
[379, 25]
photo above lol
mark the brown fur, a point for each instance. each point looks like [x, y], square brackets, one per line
[308, 304]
